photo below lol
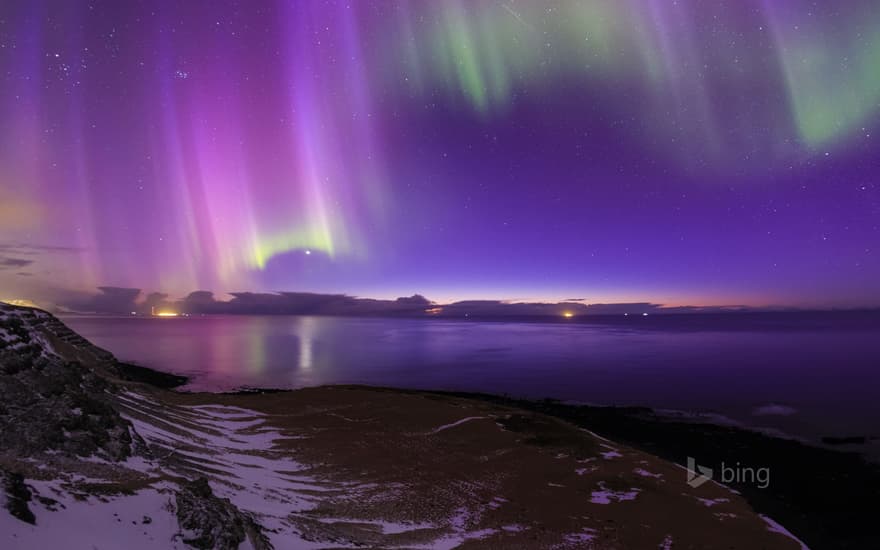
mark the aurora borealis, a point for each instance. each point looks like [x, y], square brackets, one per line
[677, 152]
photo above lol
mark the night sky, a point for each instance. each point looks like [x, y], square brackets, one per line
[692, 152]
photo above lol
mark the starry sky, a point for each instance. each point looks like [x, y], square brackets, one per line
[678, 152]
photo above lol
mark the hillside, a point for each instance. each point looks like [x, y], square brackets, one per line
[93, 456]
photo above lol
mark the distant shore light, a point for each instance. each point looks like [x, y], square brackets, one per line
[19, 302]
[167, 314]
[567, 314]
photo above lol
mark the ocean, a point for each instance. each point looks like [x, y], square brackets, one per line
[807, 375]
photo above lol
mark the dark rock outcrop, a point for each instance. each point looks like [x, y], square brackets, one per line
[15, 496]
[51, 403]
[209, 521]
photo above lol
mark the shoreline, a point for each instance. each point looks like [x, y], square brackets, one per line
[752, 380]
[804, 495]
[842, 443]
[665, 436]
[547, 434]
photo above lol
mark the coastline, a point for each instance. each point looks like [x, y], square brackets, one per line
[760, 380]
[808, 481]
[335, 434]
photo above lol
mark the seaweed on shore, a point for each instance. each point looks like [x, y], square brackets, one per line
[137, 373]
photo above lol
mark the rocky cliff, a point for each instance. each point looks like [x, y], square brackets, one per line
[61, 428]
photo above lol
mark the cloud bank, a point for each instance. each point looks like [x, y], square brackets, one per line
[125, 301]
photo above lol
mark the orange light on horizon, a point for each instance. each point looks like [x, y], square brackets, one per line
[20, 302]
[567, 314]
[167, 314]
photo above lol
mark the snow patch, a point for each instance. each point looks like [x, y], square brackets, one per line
[774, 527]
[497, 502]
[239, 454]
[709, 502]
[456, 423]
[607, 496]
[585, 536]
[144, 520]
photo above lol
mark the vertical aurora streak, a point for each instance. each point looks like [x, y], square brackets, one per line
[833, 85]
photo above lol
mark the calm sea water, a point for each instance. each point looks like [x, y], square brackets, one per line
[808, 375]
